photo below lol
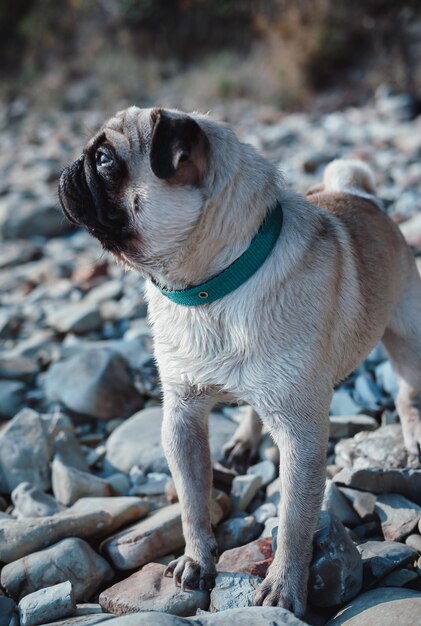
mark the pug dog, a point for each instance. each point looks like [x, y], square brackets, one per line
[179, 199]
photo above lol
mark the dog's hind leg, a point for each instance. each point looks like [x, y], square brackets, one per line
[243, 445]
[186, 446]
[402, 341]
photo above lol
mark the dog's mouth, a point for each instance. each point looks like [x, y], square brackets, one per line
[86, 203]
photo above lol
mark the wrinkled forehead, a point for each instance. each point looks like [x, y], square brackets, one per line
[127, 131]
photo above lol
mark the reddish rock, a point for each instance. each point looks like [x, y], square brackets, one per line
[254, 558]
[149, 590]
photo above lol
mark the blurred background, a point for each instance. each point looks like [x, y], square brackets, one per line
[195, 53]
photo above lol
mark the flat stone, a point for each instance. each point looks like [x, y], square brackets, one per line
[138, 441]
[382, 557]
[157, 535]
[233, 590]
[49, 603]
[254, 558]
[383, 447]
[19, 538]
[385, 606]
[71, 559]
[25, 452]
[237, 531]
[406, 482]
[243, 490]
[29, 501]
[265, 469]
[68, 449]
[70, 484]
[335, 502]
[336, 570]
[150, 590]
[122, 510]
[95, 382]
[398, 516]
[349, 425]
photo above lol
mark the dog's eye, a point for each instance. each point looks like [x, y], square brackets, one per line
[103, 158]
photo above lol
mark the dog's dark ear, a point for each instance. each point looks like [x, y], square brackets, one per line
[179, 148]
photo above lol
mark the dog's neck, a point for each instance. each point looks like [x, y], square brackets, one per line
[231, 216]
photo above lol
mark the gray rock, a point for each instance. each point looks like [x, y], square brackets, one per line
[8, 612]
[399, 578]
[366, 392]
[386, 606]
[398, 516]
[150, 590]
[78, 317]
[233, 590]
[157, 535]
[30, 218]
[47, 604]
[18, 252]
[271, 525]
[19, 538]
[382, 557]
[336, 571]
[29, 501]
[265, 469]
[96, 383]
[12, 397]
[250, 616]
[119, 483]
[153, 485]
[237, 531]
[25, 452]
[383, 447]
[18, 368]
[70, 484]
[122, 510]
[69, 451]
[343, 404]
[363, 502]
[414, 541]
[243, 490]
[335, 502]
[406, 482]
[126, 447]
[70, 559]
[349, 425]
[386, 378]
[265, 511]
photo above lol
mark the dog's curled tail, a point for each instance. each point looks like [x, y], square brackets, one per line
[351, 176]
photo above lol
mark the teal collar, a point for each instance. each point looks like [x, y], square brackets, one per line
[239, 271]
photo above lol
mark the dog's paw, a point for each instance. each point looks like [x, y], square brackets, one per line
[412, 438]
[190, 574]
[238, 453]
[275, 591]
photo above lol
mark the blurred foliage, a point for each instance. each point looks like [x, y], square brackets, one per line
[292, 47]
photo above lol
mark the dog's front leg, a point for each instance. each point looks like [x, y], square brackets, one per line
[186, 446]
[302, 442]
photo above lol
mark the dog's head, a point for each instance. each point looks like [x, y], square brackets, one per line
[139, 185]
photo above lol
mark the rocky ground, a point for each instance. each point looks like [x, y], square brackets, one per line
[88, 514]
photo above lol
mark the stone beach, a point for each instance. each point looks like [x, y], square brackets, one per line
[89, 515]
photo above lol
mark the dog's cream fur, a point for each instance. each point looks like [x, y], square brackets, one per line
[339, 279]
